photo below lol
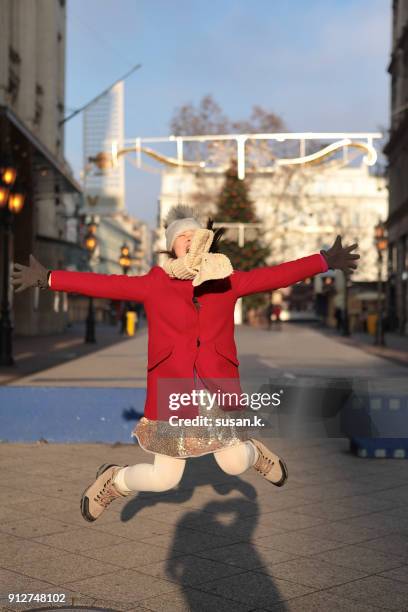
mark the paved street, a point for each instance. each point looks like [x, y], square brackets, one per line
[38, 353]
[334, 538]
[298, 350]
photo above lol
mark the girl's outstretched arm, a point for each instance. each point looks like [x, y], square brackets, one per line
[269, 278]
[110, 286]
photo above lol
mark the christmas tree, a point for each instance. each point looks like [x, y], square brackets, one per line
[235, 206]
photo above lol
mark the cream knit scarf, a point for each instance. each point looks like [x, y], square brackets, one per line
[198, 264]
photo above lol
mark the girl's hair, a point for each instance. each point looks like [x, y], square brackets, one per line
[214, 248]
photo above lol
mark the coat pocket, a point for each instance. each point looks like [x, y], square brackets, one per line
[226, 352]
[159, 356]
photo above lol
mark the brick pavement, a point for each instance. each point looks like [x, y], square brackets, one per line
[298, 350]
[334, 538]
[395, 348]
[38, 353]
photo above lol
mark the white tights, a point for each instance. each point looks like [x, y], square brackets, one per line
[166, 472]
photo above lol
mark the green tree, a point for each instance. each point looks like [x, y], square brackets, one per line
[235, 206]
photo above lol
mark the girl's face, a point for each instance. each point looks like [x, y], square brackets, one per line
[182, 243]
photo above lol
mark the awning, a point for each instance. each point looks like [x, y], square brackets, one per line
[42, 158]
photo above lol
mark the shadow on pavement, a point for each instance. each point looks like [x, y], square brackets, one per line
[201, 533]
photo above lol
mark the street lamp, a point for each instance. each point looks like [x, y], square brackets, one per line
[11, 202]
[381, 244]
[91, 242]
[4, 194]
[124, 261]
[16, 202]
[8, 175]
[124, 258]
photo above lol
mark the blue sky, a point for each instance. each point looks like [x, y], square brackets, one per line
[319, 64]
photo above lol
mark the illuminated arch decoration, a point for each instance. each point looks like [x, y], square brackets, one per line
[319, 156]
[351, 145]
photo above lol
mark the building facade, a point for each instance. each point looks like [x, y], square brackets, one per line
[32, 92]
[297, 217]
[103, 124]
[53, 221]
[397, 153]
[112, 233]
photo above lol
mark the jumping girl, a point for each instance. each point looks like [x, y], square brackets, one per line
[189, 303]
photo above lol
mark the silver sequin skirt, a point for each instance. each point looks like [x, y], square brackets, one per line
[190, 441]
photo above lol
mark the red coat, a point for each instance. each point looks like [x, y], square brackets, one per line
[181, 334]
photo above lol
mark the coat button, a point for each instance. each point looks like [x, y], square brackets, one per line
[198, 341]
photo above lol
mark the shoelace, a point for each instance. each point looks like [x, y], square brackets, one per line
[264, 465]
[107, 494]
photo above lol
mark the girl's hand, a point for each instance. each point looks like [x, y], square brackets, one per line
[341, 258]
[34, 275]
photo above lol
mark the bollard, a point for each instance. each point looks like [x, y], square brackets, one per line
[130, 323]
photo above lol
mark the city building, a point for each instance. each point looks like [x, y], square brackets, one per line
[297, 217]
[112, 232]
[103, 124]
[32, 91]
[57, 209]
[397, 152]
[103, 203]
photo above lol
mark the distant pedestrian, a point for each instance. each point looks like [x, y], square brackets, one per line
[277, 309]
[123, 318]
[364, 319]
[338, 315]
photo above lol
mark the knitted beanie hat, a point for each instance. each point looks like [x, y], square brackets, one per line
[180, 219]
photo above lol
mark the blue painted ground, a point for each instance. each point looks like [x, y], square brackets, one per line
[108, 414]
[66, 414]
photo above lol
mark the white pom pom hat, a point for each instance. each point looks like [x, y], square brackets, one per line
[180, 219]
